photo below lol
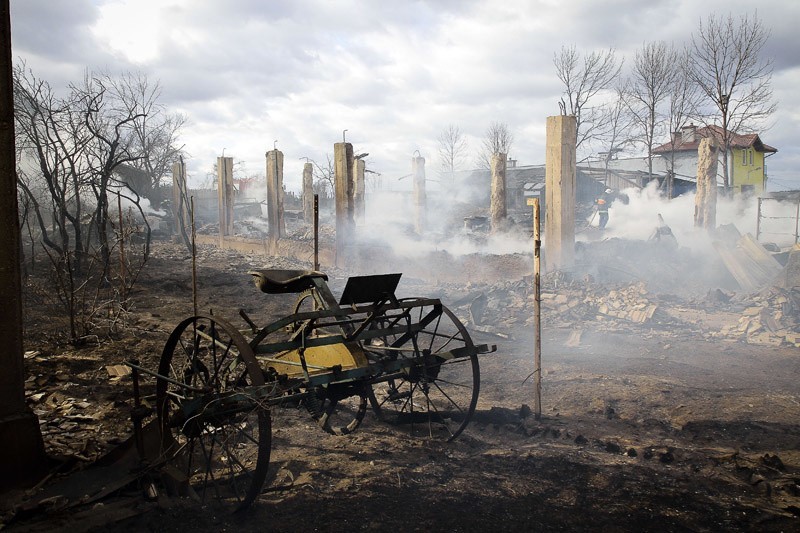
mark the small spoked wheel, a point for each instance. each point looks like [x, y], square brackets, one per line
[214, 423]
[341, 407]
[435, 391]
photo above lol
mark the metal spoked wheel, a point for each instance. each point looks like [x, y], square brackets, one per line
[337, 408]
[213, 425]
[436, 391]
[341, 407]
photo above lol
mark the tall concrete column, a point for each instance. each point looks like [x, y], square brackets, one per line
[225, 194]
[559, 220]
[308, 193]
[22, 458]
[180, 200]
[705, 200]
[419, 195]
[498, 197]
[359, 185]
[343, 185]
[277, 225]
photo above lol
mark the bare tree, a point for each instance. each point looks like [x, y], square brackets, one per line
[155, 134]
[617, 133]
[583, 78]
[726, 64]
[682, 101]
[452, 150]
[498, 140]
[653, 72]
[69, 150]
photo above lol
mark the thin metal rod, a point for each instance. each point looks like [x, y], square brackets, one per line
[797, 223]
[194, 261]
[537, 307]
[758, 220]
[121, 245]
[316, 232]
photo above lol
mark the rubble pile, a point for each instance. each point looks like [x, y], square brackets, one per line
[772, 318]
[73, 423]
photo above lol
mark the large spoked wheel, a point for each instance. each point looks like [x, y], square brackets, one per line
[214, 423]
[436, 390]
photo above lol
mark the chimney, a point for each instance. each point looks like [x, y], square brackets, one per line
[687, 133]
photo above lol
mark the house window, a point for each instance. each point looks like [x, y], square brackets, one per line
[751, 157]
[744, 157]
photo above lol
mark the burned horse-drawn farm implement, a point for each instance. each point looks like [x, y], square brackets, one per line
[410, 359]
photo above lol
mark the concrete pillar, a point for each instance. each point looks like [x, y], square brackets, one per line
[497, 207]
[419, 195]
[22, 458]
[343, 189]
[559, 220]
[359, 189]
[277, 225]
[705, 201]
[308, 193]
[180, 200]
[225, 194]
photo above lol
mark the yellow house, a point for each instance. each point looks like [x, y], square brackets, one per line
[747, 168]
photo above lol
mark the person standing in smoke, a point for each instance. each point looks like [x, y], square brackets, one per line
[602, 207]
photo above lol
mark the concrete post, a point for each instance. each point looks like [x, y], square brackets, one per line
[180, 201]
[277, 225]
[359, 171]
[308, 193]
[420, 198]
[705, 200]
[343, 189]
[22, 454]
[497, 208]
[559, 220]
[225, 192]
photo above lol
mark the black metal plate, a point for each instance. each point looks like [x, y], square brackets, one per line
[369, 289]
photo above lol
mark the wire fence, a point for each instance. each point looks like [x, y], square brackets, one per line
[775, 218]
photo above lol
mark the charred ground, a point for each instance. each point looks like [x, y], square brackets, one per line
[671, 421]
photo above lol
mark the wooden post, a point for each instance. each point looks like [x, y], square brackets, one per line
[22, 460]
[343, 185]
[419, 195]
[308, 192]
[277, 226]
[537, 307]
[497, 206]
[559, 220]
[225, 195]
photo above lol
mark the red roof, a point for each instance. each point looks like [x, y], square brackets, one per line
[736, 141]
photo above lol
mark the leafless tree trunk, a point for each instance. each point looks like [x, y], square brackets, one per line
[452, 150]
[682, 102]
[155, 133]
[498, 140]
[583, 79]
[617, 134]
[654, 69]
[726, 64]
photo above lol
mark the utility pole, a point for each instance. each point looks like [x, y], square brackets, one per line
[22, 458]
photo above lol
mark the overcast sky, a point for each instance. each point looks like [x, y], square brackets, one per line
[393, 73]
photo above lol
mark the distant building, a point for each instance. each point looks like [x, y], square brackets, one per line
[747, 168]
